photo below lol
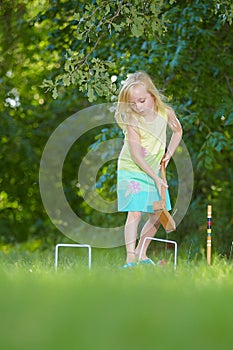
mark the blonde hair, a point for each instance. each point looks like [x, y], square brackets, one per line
[124, 111]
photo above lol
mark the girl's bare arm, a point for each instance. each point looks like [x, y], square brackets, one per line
[176, 127]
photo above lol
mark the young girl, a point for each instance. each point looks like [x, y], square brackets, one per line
[143, 116]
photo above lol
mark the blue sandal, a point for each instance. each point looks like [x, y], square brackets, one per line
[129, 264]
[147, 261]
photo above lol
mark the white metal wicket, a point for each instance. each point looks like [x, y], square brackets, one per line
[72, 246]
[161, 240]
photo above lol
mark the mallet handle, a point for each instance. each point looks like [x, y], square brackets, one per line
[163, 188]
[209, 243]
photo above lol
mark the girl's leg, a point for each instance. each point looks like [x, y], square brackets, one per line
[131, 229]
[149, 230]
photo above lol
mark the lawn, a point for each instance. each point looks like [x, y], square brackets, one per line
[146, 307]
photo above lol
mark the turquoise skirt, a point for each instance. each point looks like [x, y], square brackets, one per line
[136, 191]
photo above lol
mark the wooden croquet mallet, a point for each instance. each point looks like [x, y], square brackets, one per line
[209, 224]
[160, 209]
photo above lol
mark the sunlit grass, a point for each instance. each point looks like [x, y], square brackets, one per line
[109, 308]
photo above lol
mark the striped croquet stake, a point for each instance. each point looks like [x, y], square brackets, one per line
[209, 223]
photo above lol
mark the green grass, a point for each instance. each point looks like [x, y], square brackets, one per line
[108, 308]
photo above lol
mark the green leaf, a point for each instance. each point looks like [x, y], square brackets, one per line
[77, 16]
[90, 93]
[55, 93]
[137, 30]
[66, 80]
[118, 27]
[229, 120]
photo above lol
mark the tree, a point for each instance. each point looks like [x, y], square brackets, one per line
[196, 75]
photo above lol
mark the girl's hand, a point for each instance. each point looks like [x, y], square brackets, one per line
[159, 183]
[166, 159]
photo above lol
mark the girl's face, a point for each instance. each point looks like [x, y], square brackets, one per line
[141, 101]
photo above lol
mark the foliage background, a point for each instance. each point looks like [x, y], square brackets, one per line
[73, 48]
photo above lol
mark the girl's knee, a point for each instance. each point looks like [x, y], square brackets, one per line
[154, 219]
[134, 215]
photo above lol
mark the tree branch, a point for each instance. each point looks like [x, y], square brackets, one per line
[168, 80]
[228, 83]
